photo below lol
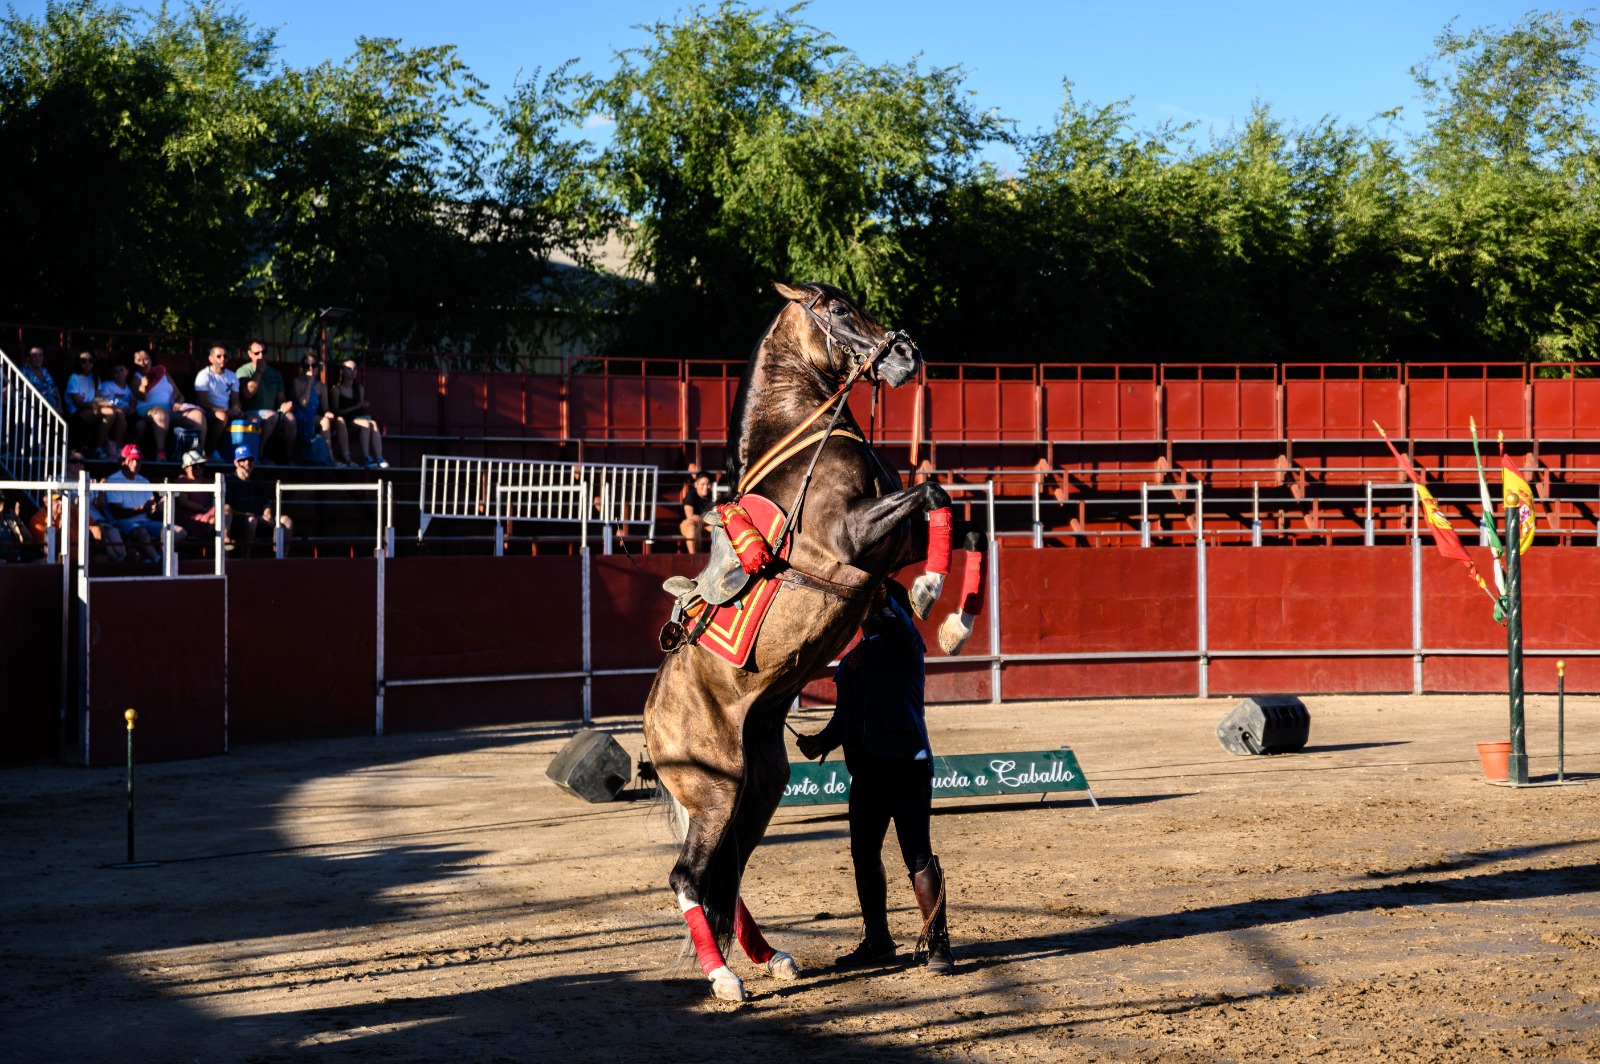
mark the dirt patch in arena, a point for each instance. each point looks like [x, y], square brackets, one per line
[435, 897]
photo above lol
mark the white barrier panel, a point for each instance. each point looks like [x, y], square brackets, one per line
[495, 489]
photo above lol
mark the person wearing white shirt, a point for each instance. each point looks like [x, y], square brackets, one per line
[134, 511]
[216, 389]
[82, 397]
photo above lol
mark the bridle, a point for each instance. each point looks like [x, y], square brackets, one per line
[861, 361]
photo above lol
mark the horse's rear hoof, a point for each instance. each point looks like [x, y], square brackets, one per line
[954, 633]
[725, 986]
[924, 592]
[782, 966]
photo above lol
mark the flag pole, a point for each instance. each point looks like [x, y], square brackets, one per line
[1517, 766]
[1490, 532]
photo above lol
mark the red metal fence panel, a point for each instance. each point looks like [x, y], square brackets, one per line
[453, 617]
[30, 647]
[176, 687]
[302, 648]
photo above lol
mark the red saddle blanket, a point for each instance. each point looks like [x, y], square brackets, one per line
[731, 632]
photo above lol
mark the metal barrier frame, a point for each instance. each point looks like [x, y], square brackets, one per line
[26, 417]
[595, 478]
[382, 490]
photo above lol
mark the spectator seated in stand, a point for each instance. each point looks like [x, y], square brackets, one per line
[249, 506]
[40, 378]
[101, 530]
[196, 514]
[159, 402]
[317, 423]
[698, 497]
[85, 409]
[267, 401]
[216, 389]
[350, 407]
[14, 535]
[115, 392]
[135, 512]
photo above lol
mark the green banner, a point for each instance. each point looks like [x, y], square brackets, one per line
[957, 776]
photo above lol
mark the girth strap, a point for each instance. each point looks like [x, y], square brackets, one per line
[848, 592]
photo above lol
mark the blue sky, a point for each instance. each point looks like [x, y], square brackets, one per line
[1204, 62]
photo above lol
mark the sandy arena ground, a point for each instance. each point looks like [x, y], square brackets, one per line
[436, 898]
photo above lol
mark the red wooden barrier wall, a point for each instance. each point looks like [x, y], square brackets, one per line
[158, 647]
[30, 653]
[301, 637]
[479, 617]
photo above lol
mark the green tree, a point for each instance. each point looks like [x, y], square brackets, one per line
[379, 201]
[1507, 214]
[129, 171]
[749, 147]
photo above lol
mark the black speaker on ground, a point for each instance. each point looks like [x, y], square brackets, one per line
[1266, 724]
[592, 767]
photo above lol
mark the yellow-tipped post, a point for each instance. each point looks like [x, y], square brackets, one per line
[130, 716]
[1561, 721]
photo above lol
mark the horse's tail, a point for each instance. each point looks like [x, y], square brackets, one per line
[672, 811]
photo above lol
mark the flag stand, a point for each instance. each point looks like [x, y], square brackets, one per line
[1517, 767]
[1517, 764]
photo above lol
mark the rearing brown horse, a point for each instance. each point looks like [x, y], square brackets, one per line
[715, 731]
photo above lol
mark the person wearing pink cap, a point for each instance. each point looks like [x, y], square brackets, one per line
[134, 510]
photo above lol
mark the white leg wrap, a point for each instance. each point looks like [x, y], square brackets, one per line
[725, 985]
[955, 631]
[924, 592]
[782, 966]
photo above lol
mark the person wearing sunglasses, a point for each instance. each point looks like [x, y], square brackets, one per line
[316, 419]
[94, 415]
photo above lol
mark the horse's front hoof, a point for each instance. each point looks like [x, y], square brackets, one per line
[725, 986]
[782, 966]
[924, 593]
[954, 633]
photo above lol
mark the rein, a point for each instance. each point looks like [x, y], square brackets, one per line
[864, 362]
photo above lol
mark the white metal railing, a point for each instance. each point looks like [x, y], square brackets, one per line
[383, 497]
[33, 434]
[470, 489]
[169, 539]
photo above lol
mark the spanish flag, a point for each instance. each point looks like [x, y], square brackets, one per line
[1514, 491]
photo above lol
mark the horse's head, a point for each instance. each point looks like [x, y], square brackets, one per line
[837, 335]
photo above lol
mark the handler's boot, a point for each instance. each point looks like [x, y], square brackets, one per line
[928, 885]
[872, 891]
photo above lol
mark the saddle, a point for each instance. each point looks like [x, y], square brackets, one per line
[724, 578]
[732, 576]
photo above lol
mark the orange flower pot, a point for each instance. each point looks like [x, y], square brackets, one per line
[1495, 758]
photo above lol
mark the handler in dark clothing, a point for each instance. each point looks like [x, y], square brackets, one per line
[879, 722]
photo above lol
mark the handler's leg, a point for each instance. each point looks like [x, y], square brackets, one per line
[869, 823]
[913, 801]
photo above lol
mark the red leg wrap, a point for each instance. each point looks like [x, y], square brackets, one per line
[749, 936]
[939, 540]
[972, 584]
[705, 943]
